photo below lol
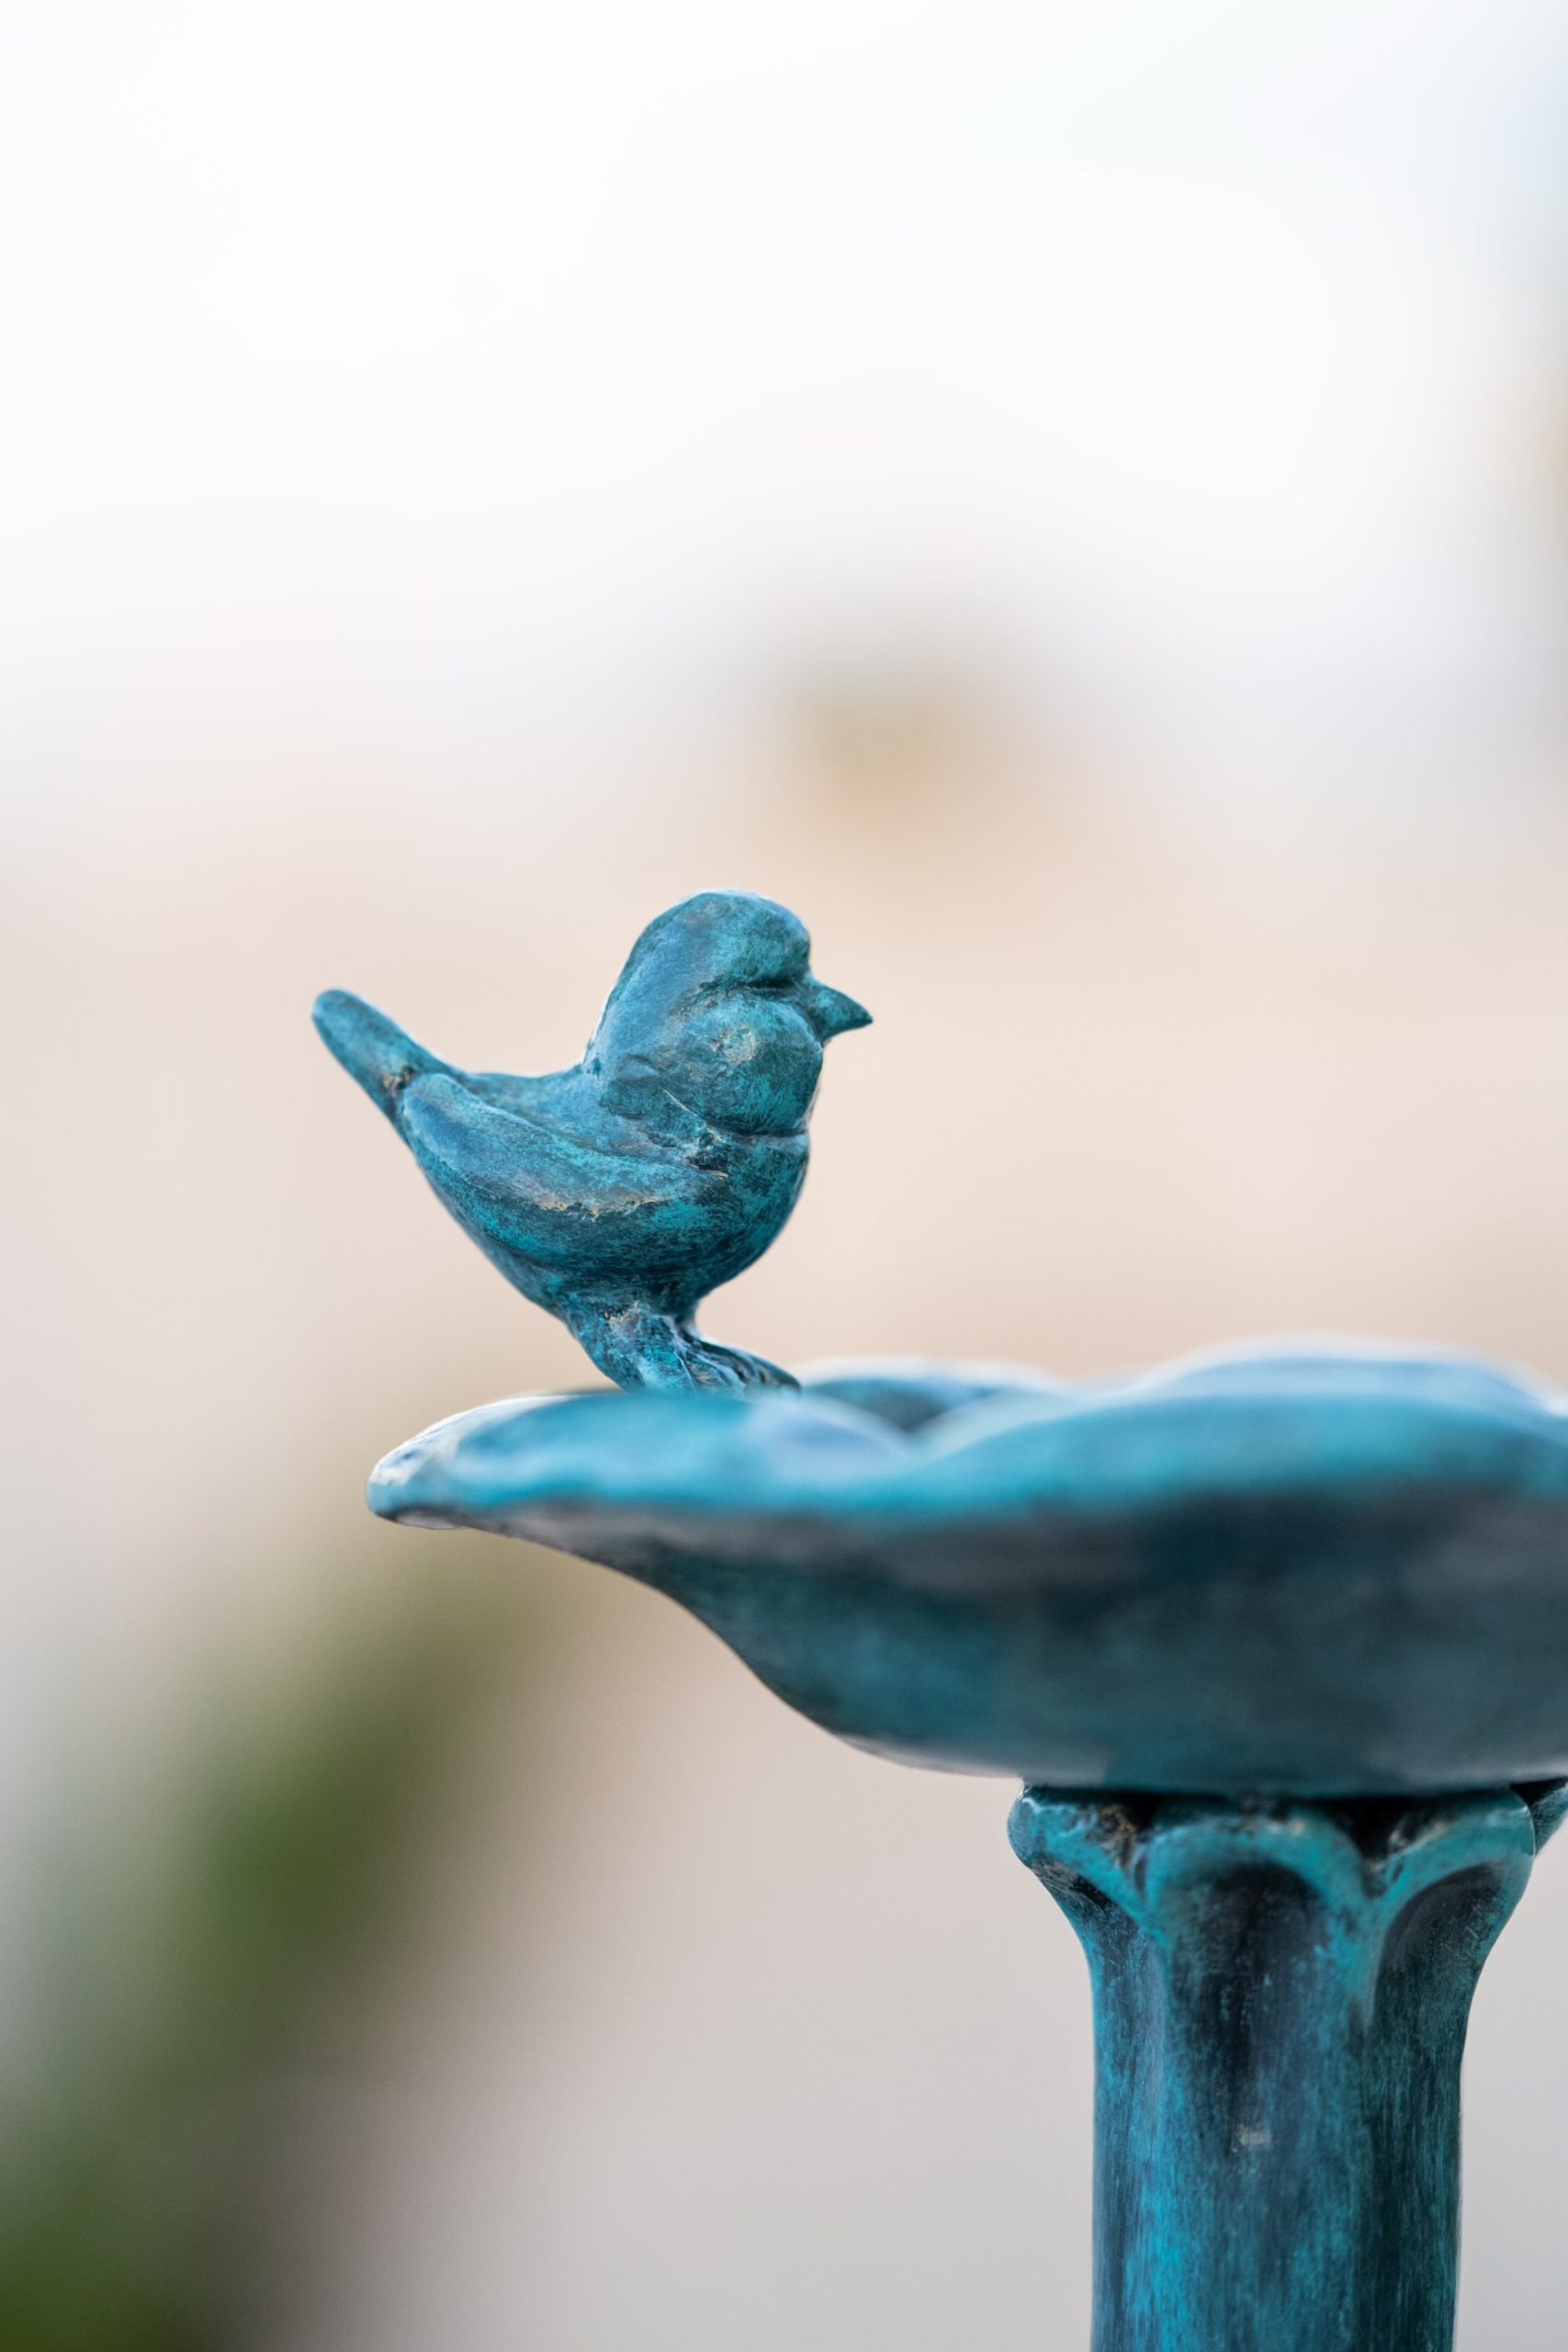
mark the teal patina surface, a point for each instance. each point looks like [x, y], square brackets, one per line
[1303, 1574]
[1278, 1640]
[1239, 1623]
[1280, 1999]
[618, 1193]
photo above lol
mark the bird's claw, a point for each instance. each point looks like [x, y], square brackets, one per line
[640, 1348]
[705, 1364]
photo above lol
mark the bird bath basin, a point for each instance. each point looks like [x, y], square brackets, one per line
[1303, 1574]
[1276, 1641]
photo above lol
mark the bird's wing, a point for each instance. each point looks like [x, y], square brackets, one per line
[555, 1200]
[528, 1098]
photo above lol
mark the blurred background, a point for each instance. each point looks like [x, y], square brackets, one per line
[1073, 498]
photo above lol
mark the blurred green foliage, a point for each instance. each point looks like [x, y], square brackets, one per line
[219, 1951]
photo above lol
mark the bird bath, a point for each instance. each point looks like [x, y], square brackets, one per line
[1276, 1641]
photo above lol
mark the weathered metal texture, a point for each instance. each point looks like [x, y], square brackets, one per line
[1313, 1575]
[1281, 1995]
[617, 1193]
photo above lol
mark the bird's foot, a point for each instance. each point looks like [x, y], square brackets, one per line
[705, 1364]
[640, 1348]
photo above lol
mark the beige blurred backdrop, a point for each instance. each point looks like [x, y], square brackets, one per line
[1070, 502]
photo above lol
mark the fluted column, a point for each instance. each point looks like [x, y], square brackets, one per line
[1282, 1994]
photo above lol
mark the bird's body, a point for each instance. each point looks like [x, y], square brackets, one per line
[618, 1193]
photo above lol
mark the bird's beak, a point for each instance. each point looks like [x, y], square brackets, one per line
[830, 1012]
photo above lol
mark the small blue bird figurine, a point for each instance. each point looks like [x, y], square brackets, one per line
[617, 1193]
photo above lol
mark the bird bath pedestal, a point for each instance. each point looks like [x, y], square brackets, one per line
[1277, 1642]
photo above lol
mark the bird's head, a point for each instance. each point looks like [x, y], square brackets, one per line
[718, 1014]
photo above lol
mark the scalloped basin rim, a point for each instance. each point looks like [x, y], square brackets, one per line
[991, 1442]
[1307, 1573]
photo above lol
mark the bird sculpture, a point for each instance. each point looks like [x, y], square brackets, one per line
[617, 1193]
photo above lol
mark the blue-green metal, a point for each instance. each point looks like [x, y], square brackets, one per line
[1301, 1604]
[1287, 1598]
[1307, 1575]
[617, 1193]
[1280, 1998]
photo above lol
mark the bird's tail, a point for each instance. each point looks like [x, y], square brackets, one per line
[376, 1053]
